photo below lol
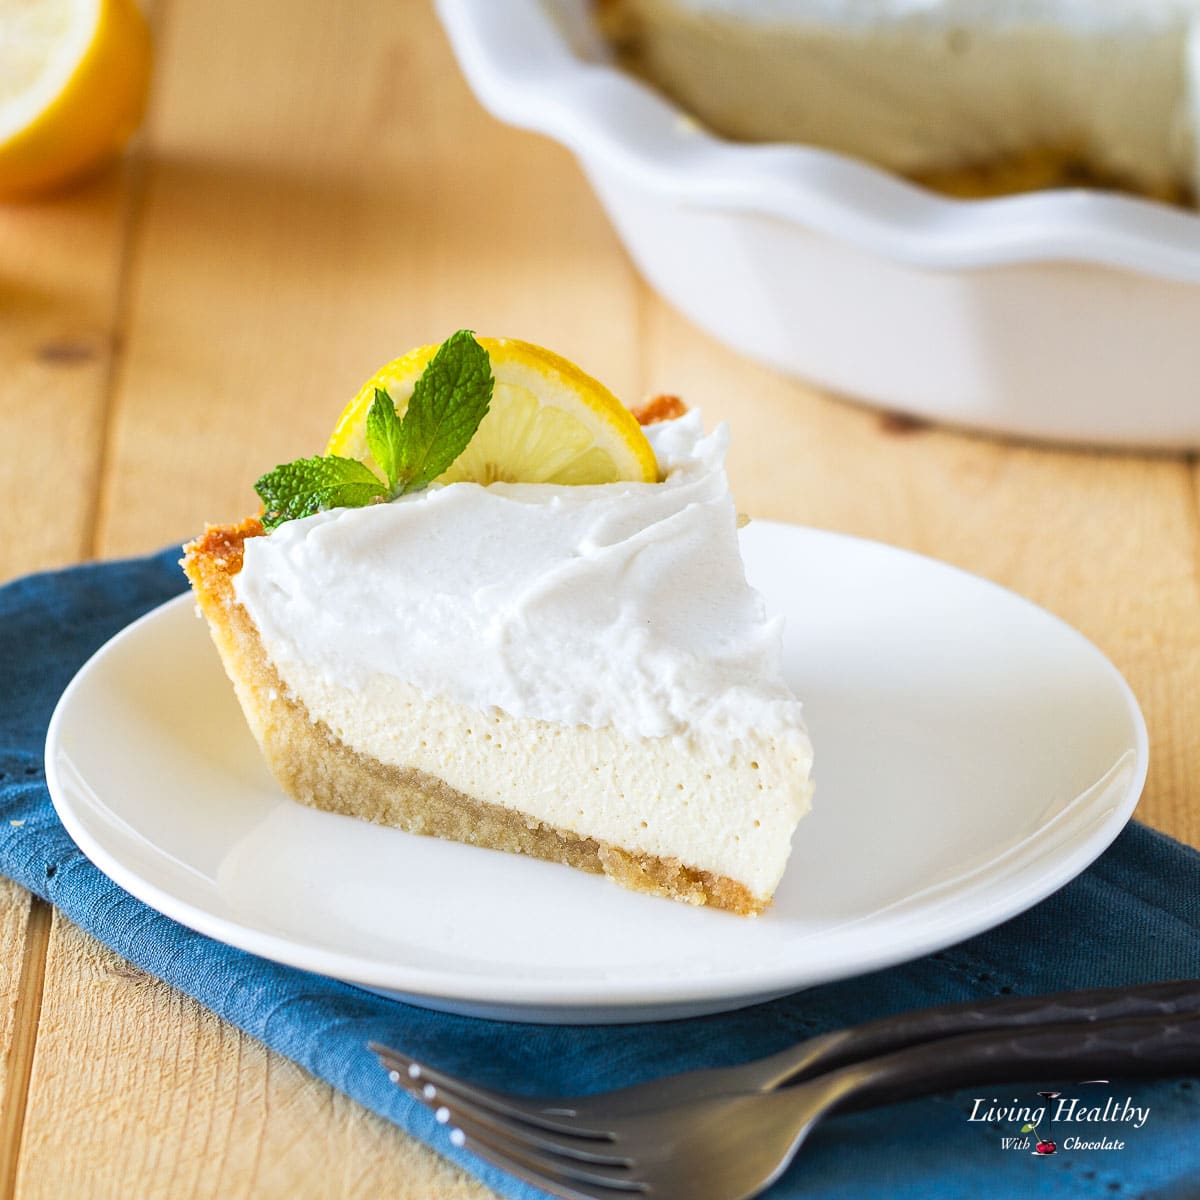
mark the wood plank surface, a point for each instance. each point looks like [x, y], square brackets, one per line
[141, 1092]
[309, 216]
[61, 286]
[24, 924]
[178, 326]
[61, 276]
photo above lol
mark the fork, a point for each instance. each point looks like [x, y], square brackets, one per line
[732, 1146]
[817, 1054]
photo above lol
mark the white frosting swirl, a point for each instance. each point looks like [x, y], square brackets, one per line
[621, 604]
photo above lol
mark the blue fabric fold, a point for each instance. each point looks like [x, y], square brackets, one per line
[1134, 916]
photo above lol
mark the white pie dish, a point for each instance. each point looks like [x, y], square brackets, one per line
[973, 755]
[1062, 315]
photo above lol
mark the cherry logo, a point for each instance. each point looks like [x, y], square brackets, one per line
[1044, 1145]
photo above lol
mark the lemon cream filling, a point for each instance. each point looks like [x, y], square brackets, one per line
[728, 812]
[922, 86]
[619, 606]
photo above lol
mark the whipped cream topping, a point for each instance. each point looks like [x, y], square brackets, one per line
[620, 604]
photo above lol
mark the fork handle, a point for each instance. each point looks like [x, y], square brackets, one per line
[875, 1038]
[1124, 1048]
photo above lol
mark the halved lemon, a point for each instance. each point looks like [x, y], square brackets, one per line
[73, 81]
[548, 421]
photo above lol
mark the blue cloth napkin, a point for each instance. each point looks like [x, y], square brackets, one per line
[1133, 917]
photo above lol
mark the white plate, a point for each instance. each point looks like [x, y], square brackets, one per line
[973, 754]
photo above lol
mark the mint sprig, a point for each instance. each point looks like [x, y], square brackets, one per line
[449, 401]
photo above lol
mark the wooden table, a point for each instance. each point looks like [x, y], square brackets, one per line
[314, 192]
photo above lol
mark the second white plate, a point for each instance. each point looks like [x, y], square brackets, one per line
[1065, 314]
[973, 754]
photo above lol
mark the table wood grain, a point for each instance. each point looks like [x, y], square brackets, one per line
[314, 191]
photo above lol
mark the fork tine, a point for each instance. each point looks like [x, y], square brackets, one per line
[412, 1074]
[447, 1106]
[614, 1181]
[555, 1186]
[525, 1146]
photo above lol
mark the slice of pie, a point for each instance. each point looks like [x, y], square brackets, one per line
[573, 668]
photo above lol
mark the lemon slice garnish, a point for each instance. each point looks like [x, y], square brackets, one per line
[73, 79]
[548, 421]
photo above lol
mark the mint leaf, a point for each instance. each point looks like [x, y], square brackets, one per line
[384, 436]
[312, 485]
[447, 405]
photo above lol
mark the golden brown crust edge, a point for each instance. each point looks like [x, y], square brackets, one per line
[663, 407]
[316, 768]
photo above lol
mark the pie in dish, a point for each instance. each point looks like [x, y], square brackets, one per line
[970, 96]
[563, 668]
